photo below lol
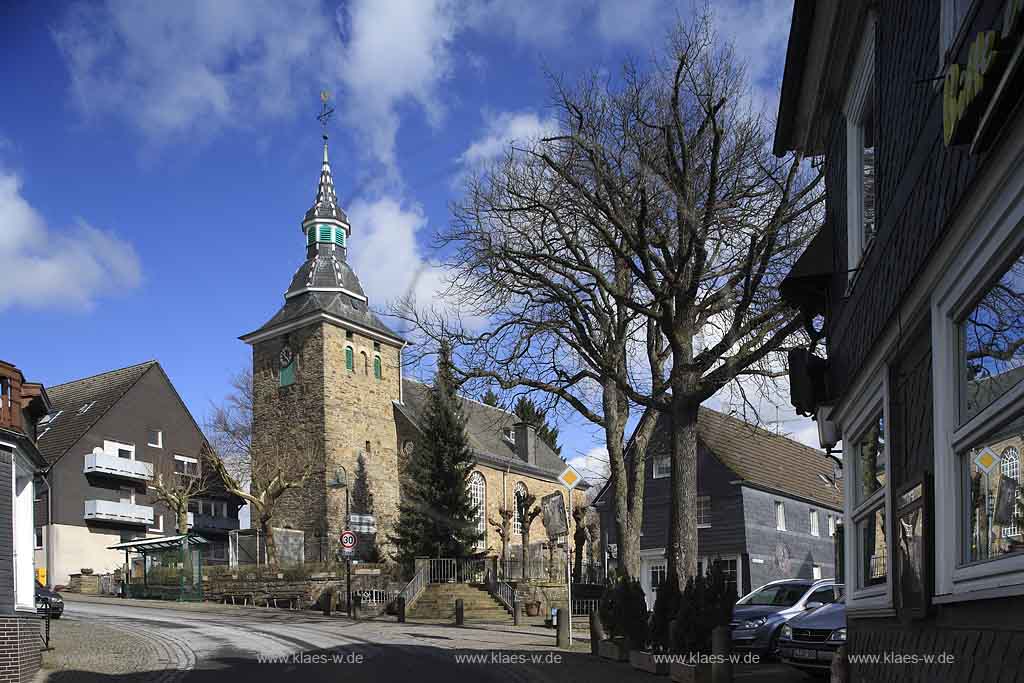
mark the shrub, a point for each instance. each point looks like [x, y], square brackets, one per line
[623, 612]
[666, 607]
[706, 602]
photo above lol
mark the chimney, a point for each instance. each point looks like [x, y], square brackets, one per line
[10, 397]
[526, 442]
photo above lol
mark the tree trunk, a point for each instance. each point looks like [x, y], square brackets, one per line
[580, 541]
[627, 535]
[526, 552]
[182, 513]
[682, 551]
[268, 541]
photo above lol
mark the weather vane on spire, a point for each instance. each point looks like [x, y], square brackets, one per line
[325, 111]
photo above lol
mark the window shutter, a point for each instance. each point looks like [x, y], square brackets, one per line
[325, 233]
[339, 236]
[349, 360]
[377, 370]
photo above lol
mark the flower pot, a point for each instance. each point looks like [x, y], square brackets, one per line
[690, 673]
[614, 650]
[532, 609]
[644, 661]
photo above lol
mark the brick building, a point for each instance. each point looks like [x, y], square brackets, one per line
[22, 404]
[912, 110]
[326, 368]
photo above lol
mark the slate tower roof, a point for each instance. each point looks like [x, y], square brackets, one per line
[324, 286]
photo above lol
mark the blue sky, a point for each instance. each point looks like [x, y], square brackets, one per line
[156, 158]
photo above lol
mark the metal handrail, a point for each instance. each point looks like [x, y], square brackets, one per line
[415, 586]
[505, 594]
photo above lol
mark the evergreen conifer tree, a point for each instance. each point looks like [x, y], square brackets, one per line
[490, 398]
[437, 517]
[362, 504]
[527, 411]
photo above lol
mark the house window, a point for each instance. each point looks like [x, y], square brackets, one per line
[831, 526]
[815, 571]
[377, 369]
[869, 515]
[662, 467]
[348, 334]
[478, 496]
[1009, 476]
[186, 466]
[703, 512]
[730, 569]
[121, 450]
[350, 363]
[780, 516]
[519, 495]
[861, 134]
[39, 538]
[155, 438]
[813, 519]
[658, 573]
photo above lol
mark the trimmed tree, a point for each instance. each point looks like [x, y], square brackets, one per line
[527, 510]
[437, 517]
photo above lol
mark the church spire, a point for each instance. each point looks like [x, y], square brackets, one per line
[325, 223]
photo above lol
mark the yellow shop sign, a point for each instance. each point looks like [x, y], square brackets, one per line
[970, 90]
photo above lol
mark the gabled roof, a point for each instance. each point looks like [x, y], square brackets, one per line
[102, 391]
[486, 427]
[759, 458]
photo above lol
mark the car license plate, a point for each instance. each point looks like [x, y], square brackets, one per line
[800, 653]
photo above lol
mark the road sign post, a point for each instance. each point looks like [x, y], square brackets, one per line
[349, 541]
[569, 478]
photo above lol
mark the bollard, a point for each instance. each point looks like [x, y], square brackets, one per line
[356, 605]
[840, 671]
[562, 635]
[460, 614]
[401, 610]
[721, 646]
[596, 634]
[517, 612]
[328, 599]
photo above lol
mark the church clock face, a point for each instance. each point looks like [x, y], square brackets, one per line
[286, 357]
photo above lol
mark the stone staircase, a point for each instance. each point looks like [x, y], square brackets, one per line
[437, 603]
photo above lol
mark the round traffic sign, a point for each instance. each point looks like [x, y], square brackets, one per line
[348, 540]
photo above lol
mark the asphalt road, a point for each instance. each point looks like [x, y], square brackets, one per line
[255, 645]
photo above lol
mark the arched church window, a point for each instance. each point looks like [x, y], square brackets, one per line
[1009, 467]
[377, 369]
[518, 496]
[478, 495]
[366, 363]
[350, 363]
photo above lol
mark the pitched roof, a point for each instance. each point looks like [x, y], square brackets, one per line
[486, 427]
[102, 391]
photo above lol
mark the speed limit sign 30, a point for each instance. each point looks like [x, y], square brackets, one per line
[349, 540]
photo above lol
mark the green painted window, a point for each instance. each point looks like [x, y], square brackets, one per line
[377, 368]
[339, 236]
[350, 363]
[287, 375]
[325, 233]
[310, 235]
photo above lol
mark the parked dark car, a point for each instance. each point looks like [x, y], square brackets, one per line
[759, 616]
[48, 599]
[809, 641]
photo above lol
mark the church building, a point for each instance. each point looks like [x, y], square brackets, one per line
[327, 376]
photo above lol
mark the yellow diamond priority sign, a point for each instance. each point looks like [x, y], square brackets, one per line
[986, 460]
[570, 477]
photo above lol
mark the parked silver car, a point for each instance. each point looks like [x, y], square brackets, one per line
[759, 615]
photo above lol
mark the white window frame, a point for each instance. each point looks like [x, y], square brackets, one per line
[780, 515]
[24, 529]
[831, 526]
[813, 522]
[982, 255]
[707, 524]
[854, 417]
[1013, 471]
[815, 572]
[188, 459]
[478, 484]
[159, 438]
[517, 526]
[657, 472]
[111, 447]
[860, 84]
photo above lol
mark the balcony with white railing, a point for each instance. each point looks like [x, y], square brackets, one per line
[114, 511]
[112, 465]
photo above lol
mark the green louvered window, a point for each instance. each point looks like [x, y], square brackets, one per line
[325, 233]
[350, 363]
[377, 371]
[287, 375]
[310, 235]
[339, 236]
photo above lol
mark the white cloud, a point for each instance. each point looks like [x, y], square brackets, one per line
[188, 68]
[395, 52]
[50, 269]
[386, 254]
[634, 21]
[529, 22]
[503, 129]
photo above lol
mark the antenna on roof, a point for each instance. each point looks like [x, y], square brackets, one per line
[325, 111]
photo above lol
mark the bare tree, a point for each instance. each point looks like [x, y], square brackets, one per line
[527, 510]
[660, 206]
[580, 536]
[176, 489]
[259, 478]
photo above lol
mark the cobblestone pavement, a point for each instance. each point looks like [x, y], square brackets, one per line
[222, 644]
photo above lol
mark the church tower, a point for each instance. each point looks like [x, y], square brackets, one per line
[326, 371]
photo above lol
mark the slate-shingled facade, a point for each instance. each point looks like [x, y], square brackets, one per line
[104, 440]
[744, 475]
[912, 109]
